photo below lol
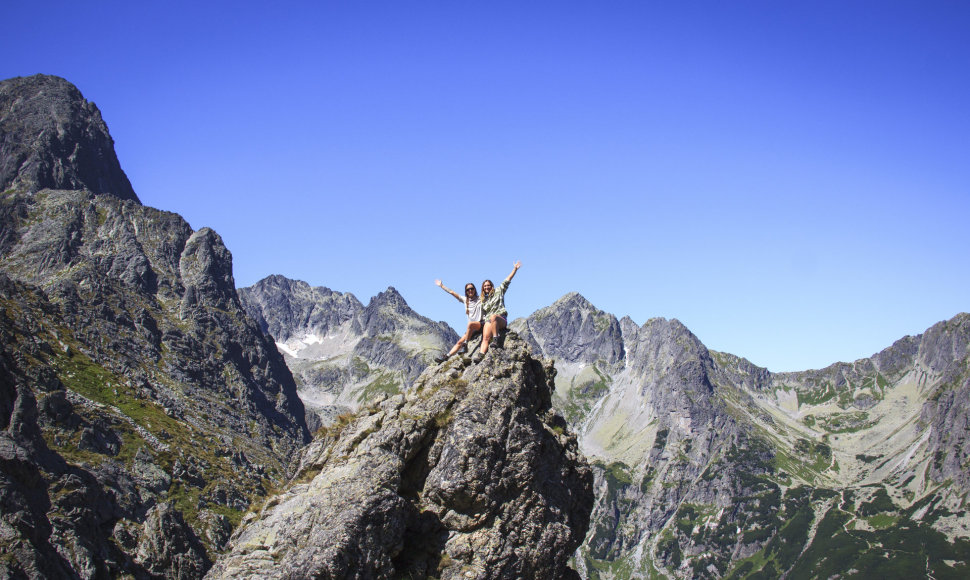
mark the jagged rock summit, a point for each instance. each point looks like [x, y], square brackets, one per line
[51, 137]
[291, 309]
[574, 330]
[471, 474]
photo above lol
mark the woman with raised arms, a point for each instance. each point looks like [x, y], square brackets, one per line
[473, 310]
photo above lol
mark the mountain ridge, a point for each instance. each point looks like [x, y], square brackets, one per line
[893, 422]
[340, 351]
[678, 432]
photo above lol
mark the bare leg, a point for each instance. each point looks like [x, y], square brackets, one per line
[495, 324]
[473, 327]
[487, 335]
[458, 344]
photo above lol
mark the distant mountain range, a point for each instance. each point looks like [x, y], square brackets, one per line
[708, 465]
[341, 352]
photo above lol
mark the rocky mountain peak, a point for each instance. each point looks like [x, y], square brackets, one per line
[573, 300]
[143, 409]
[391, 299]
[942, 347]
[471, 474]
[277, 281]
[573, 330]
[51, 137]
[691, 446]
[340, 352]
[288, 308]
[386, 313]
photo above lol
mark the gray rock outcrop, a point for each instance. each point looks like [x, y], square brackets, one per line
[52, 138]
[469, 475]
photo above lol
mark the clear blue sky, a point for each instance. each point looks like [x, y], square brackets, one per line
[791, 180]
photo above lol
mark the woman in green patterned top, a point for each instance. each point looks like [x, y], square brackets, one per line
[493, 310]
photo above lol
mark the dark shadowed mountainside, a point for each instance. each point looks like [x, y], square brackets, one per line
[142, 409]
[52, 138]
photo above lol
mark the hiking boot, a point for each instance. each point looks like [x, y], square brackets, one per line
[477, 357]
[499, 340]
[441, 358]
[462, 349]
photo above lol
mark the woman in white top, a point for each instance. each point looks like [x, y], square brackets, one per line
[473, 309]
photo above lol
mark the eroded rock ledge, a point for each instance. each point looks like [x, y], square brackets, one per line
[469, 475]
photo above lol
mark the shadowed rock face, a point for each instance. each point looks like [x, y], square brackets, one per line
[138, 395]
[50, 137]
[141, 409]
[469, 475]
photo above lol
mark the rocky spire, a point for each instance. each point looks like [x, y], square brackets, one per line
[51, 137]
[469, 475]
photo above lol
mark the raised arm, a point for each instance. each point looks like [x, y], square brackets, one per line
[448, 290]
[515, 268]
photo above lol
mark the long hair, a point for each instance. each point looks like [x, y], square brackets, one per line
[484, 296]
[467, 299]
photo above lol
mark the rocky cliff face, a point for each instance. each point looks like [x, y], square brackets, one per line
[470, 474]
[142, 409]
[51, 138]
[341, 352]
[709, 466]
